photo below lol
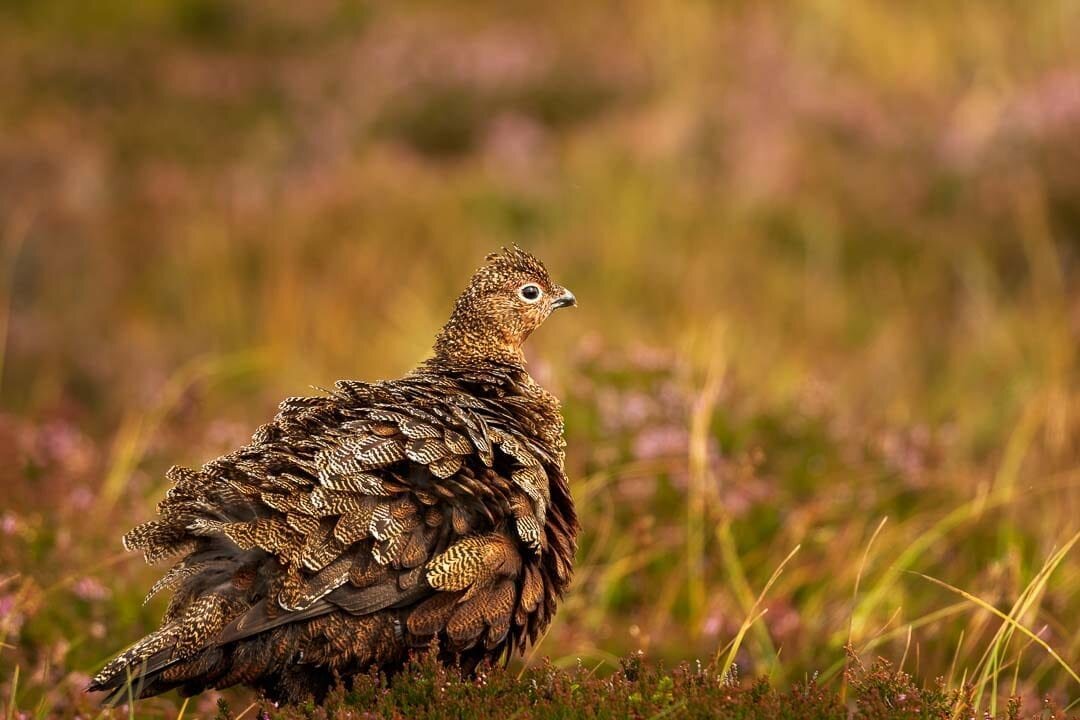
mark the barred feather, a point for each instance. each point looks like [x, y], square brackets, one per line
[370, 520]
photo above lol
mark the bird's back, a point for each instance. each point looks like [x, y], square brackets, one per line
[357, 526]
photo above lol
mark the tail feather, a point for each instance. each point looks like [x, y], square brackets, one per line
[206, 598]
[127, 677]
[178, 641]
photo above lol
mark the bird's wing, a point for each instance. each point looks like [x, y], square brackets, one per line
[368, 499]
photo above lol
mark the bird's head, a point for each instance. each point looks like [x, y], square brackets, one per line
[507, 298]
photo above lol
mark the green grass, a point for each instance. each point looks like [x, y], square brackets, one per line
[826, 259]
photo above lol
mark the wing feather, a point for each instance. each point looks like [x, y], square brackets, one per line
[412, 497]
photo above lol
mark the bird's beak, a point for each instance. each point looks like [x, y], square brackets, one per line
[567, 299]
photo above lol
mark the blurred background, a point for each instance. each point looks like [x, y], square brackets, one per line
[826, 256]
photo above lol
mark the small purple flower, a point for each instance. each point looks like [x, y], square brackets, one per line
[9, 524]
[81, 498]
[663, 441]
[713, 625]
[88, 588]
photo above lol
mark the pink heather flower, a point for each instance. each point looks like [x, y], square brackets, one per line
[635, 408]
[78, 679]
[649, 358]
[81, 498]
[62, 443]
[225, 433]
[663, 441]
[88, 588]
[1052, 105]
[514, 144]
[713, 624]
[9, 524]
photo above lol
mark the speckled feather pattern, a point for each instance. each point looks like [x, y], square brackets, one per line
[371, 521]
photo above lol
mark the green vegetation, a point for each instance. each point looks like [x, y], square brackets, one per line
[822, 389]
[636, 690]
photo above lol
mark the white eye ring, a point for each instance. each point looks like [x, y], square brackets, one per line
[526, 292]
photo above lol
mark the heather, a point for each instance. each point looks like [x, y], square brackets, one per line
[637, 689]
[822, 389]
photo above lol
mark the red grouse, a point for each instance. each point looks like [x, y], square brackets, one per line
[376, 519]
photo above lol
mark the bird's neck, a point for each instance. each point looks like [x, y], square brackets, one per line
[506, 373]
[460, 344]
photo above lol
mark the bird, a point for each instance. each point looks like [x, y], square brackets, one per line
[372, 520]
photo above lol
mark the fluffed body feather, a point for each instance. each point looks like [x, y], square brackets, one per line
[365, 523]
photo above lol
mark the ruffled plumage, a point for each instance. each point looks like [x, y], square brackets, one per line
[364, 523]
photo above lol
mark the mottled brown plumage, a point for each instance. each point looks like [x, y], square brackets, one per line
[376, 519]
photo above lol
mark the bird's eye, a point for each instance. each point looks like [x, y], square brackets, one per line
[530, 293]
